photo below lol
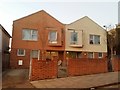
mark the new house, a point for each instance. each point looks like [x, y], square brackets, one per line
[50, 49]
[85, 39]
[41, 36]
[4, 48]
[38, 35]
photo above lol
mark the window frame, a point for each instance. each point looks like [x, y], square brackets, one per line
[38, 54]
[73, 42]
[31, 35]
[99, 54]
[56, 37]
[92, 40]
[18, 54]
[92, 55]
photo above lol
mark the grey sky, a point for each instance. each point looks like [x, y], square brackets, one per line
[103, 13]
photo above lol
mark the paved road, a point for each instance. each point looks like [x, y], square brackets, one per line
[86, 81]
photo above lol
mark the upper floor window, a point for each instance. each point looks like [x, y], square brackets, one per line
[74, 38]
[100, 55]
[52, 37]
[20, 52]
[90, 55]
[94, 39]
[30, 34]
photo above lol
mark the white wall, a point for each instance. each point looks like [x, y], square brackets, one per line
[89, 27]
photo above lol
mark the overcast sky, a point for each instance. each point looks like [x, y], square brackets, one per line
[103, 12]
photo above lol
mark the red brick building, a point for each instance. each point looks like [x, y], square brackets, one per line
[38, 35]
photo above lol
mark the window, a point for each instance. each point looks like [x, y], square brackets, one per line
[94, 39]
[90, 55]
[29, 34]
[79, 55]
[100, 55]
[74, 38]
[20, 52]
[35, 54]
[20, 62]
[52, 37]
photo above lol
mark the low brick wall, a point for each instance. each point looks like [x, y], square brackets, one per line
[116, 64]
[86, 66]
[42, 69]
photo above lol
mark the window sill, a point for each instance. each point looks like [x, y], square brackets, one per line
[30, 40]
[20, 55]
[94, 44]
[54, 44]
[75, 45]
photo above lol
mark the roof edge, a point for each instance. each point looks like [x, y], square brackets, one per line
[3, 29]
[38, 12]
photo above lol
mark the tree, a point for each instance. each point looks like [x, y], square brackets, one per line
[117, 40]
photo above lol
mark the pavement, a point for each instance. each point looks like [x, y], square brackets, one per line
[86, 81]
[16, 78]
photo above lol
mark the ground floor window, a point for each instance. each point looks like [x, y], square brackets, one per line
[51, 54]
[74, 54]
[35, 54]
[100, 55]
[21, 52]
[90, 55]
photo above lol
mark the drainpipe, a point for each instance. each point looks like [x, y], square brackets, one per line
[38, 54]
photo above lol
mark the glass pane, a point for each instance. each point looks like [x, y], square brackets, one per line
[34, 37]
[52, 36]
[90, 55]
[26, 34]
[97, 39]
[34, 53]
[79, 55]
[21, 51]
[91, 39]
[34, 32]
[74, 37]
[100, 55]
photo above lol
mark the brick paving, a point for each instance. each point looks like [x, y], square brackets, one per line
[86, 81]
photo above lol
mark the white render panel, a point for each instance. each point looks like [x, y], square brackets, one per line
[88, 27]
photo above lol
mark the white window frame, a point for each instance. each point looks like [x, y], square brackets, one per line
[18, 54]
[99, 56]
[55, 41]
[92, 55]
[31, 35]
[93, 39]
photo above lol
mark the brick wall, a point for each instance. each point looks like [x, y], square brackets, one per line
[14, 59]
[86, 66]
[42, 69]
[116, 64]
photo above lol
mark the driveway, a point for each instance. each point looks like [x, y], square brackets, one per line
[86, 81]
[16, 78]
